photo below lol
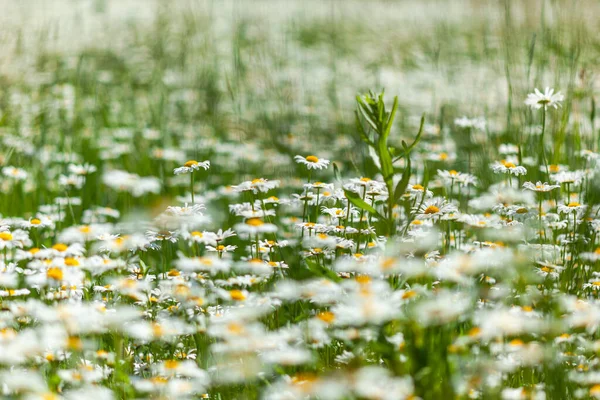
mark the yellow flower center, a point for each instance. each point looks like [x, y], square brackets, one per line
[431, 210]
[453, 172]
[171, 364]
[254, 222]
[553, 168]
[55, 273]
[71, 262]
[74, 343]
[6, 236]
[474, 331]
[190, 163]
[573, 204]
[326, 316]
[313, 159]
[220, 247]
[60, 247]
[85, 229]
[418, 187]
[35, 221]
[197, 234]
[443, 156]
[235, 328]
[237, 295]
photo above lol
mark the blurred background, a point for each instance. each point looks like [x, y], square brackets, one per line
[270, 79]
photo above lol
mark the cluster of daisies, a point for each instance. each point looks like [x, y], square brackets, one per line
[292, 289]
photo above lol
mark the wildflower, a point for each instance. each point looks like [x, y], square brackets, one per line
[435, 208]
[572, 207]
[312, 162]
[17, 174]
[83, 169]
[508, 167]
[547, 99]
[539, 186]
[464, 122]
[256, 185]
[191, 166]
[254, 226]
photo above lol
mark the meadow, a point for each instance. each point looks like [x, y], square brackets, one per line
[281, 200]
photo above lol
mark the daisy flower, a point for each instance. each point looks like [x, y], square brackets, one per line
[435, 208]
[191, 166]
[539, 186]
[312, 162]
[507, 167]
[254, 226]
[464, 122]
[538, 99]
[16, 173]
[570, 208]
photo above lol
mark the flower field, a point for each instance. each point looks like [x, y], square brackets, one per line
[285, 200]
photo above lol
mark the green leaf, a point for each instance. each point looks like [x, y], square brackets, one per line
[361, 131]
[390, 120]
[366, 113]
[385, 159]
[406, 151]
[363, 205]
[336, 173]
[401, 186]
[322, 271]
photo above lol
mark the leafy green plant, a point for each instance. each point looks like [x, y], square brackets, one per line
[374, 123]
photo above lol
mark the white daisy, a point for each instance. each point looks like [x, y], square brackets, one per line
[191, 166]
[312, 162]
[538, 99]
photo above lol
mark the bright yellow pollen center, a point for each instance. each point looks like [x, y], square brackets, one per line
[418, 187]
[6, 236]
[254, 222]
[313, 159]
[573, 204]
[431, 210]
[326, 316]
[60, 247]
[237, 295]
[190, 163]
[35, 221]
[71, 262]
[55, 273]
[453, 172]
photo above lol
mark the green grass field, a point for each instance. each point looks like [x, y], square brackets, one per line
[281, 200]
